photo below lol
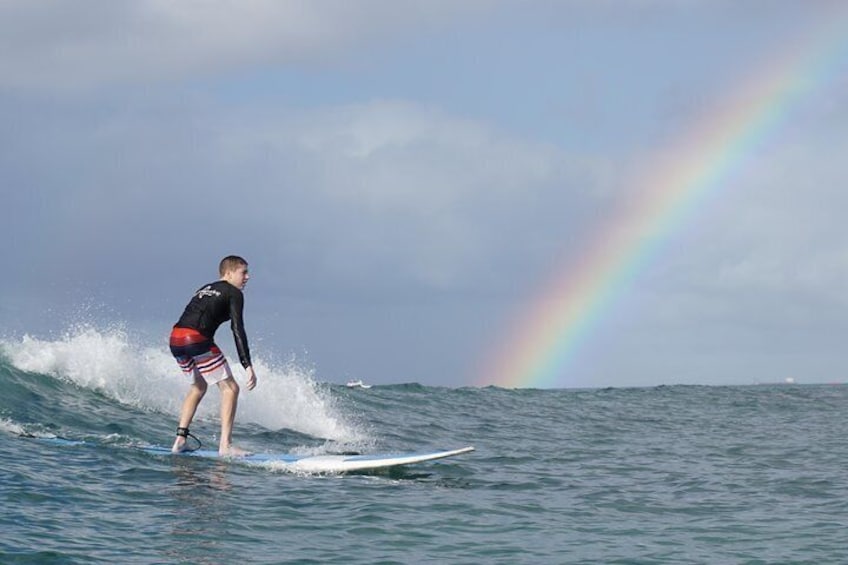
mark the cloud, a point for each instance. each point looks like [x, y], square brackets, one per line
[401, 193]
[432, 197]
[387, 193]
[58, 45]
[766, 251]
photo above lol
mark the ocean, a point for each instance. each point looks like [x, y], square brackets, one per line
[670, 474]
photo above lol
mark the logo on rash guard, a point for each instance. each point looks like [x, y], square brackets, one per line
[207, 291]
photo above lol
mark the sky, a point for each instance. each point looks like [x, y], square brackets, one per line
[410, 180]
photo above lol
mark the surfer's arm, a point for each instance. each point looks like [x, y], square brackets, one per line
[240, 337]
[237, 325]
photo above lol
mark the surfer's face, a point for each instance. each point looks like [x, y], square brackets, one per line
[238, 277]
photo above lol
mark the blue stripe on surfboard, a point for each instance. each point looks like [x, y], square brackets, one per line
[57, 440]
[213, 454]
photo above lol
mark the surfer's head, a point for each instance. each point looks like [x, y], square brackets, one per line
[233, 269]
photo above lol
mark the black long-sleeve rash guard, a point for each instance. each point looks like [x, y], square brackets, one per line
[213, 305]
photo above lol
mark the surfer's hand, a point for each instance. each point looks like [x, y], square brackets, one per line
[251, 378]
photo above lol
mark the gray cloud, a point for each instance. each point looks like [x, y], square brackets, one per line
[58, 45]
[385, 187]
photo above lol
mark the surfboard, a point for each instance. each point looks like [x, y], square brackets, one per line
[289, 461]
[320, 463]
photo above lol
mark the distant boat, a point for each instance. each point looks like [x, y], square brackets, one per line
[357, 384]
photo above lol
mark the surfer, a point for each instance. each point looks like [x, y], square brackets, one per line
[193, 346]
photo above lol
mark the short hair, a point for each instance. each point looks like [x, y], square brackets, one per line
[230, 263]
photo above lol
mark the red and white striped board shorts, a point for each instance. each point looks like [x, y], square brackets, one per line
[198, 356]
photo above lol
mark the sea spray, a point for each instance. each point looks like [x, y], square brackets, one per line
[288, 396]
[112, 363]
[12, 428]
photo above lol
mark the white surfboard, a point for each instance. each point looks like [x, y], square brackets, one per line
[321, 463]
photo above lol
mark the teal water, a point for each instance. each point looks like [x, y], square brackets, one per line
[679, 474]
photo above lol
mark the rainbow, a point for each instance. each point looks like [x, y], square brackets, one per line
[583, 293]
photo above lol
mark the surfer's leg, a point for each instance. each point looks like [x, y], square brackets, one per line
[229, 403]
[190, 404]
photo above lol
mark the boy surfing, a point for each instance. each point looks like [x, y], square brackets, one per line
[193, 346]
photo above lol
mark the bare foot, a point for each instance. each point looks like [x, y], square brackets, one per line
[232, 451]
[179, 445]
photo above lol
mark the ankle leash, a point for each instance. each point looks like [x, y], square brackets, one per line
[183, 432]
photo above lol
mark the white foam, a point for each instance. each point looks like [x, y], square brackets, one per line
[11, 428]
[110, 362]
[289, 397]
